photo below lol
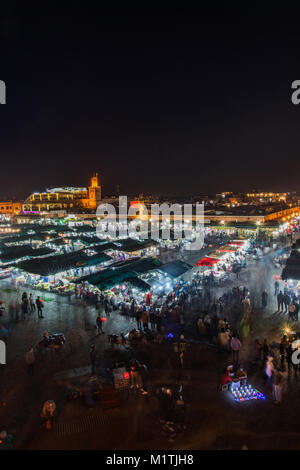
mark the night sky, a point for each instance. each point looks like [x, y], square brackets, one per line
[169, 102]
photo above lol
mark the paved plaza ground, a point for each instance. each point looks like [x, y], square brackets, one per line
[213, 419]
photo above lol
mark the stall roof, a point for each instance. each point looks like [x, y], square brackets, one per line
[129, 245]
[114, 279]
[61, 263]
[207, 261]
[135, 267]
[107, 278]
[293, 260]
[139, 283]
[138, 265]
[28, 237]
[291, 272]
[96, 259]
[16, 252]
[95, 277]
[91, 239]
[84, 228]
[104, 246]
[175, 268]
[146, 264]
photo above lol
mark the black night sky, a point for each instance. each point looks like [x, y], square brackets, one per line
[167, 101]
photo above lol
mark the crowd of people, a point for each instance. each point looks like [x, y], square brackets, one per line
[278, 362]
[288, 302]
[26, 306]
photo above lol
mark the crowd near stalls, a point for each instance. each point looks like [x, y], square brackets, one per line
[163, 316]
[134, 282]
[226, 262]
[158, 296]
[57, 273]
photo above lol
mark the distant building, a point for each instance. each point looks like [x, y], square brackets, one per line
[267, 197]
[67, 198]
[10, 207]
[279, 212]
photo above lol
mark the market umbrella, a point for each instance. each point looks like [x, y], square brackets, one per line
[207, 261]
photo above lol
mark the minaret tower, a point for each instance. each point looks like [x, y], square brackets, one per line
[94, 192]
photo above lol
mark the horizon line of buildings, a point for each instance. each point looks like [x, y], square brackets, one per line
[255, 207]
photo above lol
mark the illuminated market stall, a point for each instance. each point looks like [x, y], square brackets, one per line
[57, 273]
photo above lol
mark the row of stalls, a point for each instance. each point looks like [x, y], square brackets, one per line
[95, 272]
[269, 229]
[135, 277]
[57, 257]
[58, 272]
[53, 257]
[227, 259]
[291, 271]
[24, 242]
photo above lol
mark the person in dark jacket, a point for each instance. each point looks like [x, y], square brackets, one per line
[138, 317]
[99, 324]
[296, 312]
[39, 306]
[152, 319]
[280, 302]
[286, 301]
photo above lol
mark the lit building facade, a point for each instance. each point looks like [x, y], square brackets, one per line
[67, 198]
[10, 207]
